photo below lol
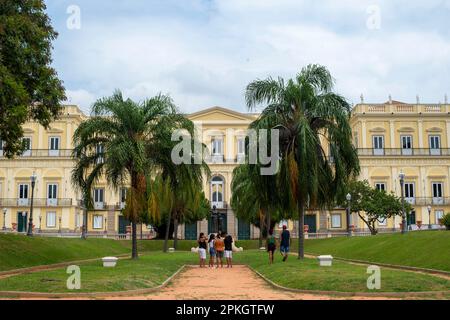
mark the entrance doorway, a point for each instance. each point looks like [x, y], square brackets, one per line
[310, 220]
[123, 224]
[22, 221]
[243, 230]
[190, 231]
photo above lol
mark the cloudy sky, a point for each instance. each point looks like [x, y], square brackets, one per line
[204, 52]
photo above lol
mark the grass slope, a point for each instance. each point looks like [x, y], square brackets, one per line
[152, 269]
[427, 249]
[342, 276]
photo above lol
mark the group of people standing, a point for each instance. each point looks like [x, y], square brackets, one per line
[218, 246]
[221, 245]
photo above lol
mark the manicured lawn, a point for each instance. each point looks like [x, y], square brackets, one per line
[19, 251]
[427, 249]
[148, 271]
[152, 269]
[342, 276]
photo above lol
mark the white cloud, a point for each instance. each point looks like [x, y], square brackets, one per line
[208, 55]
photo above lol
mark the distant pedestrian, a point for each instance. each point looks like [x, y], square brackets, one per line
[229, 250]
[202, 245]
[219, 245]
[271, 246]
[285, 241]
[212, 250]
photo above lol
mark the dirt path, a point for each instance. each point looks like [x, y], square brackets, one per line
[237, 283]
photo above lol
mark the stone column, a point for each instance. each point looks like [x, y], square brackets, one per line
[111, 223]
[420, 133]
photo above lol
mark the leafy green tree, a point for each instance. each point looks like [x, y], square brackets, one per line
[117, 139]
[309, 115]
[29, 86]
[373, 205]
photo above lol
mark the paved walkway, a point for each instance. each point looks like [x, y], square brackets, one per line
[236, 283]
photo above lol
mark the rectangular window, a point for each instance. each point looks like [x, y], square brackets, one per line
[437, 190]
[439, 214]
[435, 145]
[378, 145]
[26, 141]
[99, 150]
[336, 221]
[52, 194]
[54, 146]
[123, 195]
[99, 195]
[241, 146]
[409, 192]
[406, 143]
[51, 219]
[216, 146]
[381, 186]
[23, 191]
[97, 222]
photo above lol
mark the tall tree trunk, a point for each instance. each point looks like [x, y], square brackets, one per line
[84, 227]
[175, 231]
[268, 223]
[141, 230]
[134, 251]
[260, 230]
[166, 237]
[301, 233]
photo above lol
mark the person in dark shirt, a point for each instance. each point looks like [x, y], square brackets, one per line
[285, 241]
[202, 249]
[229, 250]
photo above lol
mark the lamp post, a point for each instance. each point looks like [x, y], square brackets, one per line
[429, 216]
[4, 219]
[30, 222]
[105, 228]
[401, 176]
[40, 223]
[349, 199]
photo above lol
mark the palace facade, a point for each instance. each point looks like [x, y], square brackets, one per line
[391, 137]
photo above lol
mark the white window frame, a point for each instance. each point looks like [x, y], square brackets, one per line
[410, 187]
[100, 149]
[438, 214]
[216, 186]
[23, 194]
[97, 221]
[240, 149]
[27, 152]
[435, 144]
[99, 198]
[217, 149]
[333, 225]
[407, 146]
[379, 184]
[52, 195]
[54, 145]
[438, 196]
[50, 217]
[376, 141]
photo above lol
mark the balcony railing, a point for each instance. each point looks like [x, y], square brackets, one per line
[403, 152]
[37, 202]
[429, 201]
[44, 153]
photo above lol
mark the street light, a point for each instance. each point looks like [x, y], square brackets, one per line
[106, 231]
[401, 176]
[429, 216]
[4, 218]
[349, 199]
[30, 222]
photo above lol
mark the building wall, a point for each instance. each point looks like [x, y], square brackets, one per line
[391, 120]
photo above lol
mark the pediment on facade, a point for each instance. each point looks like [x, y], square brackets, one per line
[434, 129]
[377, 129]
[28, 130]
[220, 114]
[54, 130]
[406, 129]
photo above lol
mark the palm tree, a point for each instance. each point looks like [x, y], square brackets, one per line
[309, 116]
[249, 205]
[125, 130]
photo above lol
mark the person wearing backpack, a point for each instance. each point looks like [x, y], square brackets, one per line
[271, 246]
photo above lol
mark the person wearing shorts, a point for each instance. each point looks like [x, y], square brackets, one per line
[202, 249]
[271, 246]
[229, 250]
[212, 251]
[219, 245]
[285, 241]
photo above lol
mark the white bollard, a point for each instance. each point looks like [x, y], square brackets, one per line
[325, 260]
[109, 261]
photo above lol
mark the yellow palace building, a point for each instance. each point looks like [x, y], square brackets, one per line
[391, 137]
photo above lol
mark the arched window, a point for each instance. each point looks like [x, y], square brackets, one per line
[217, 185]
